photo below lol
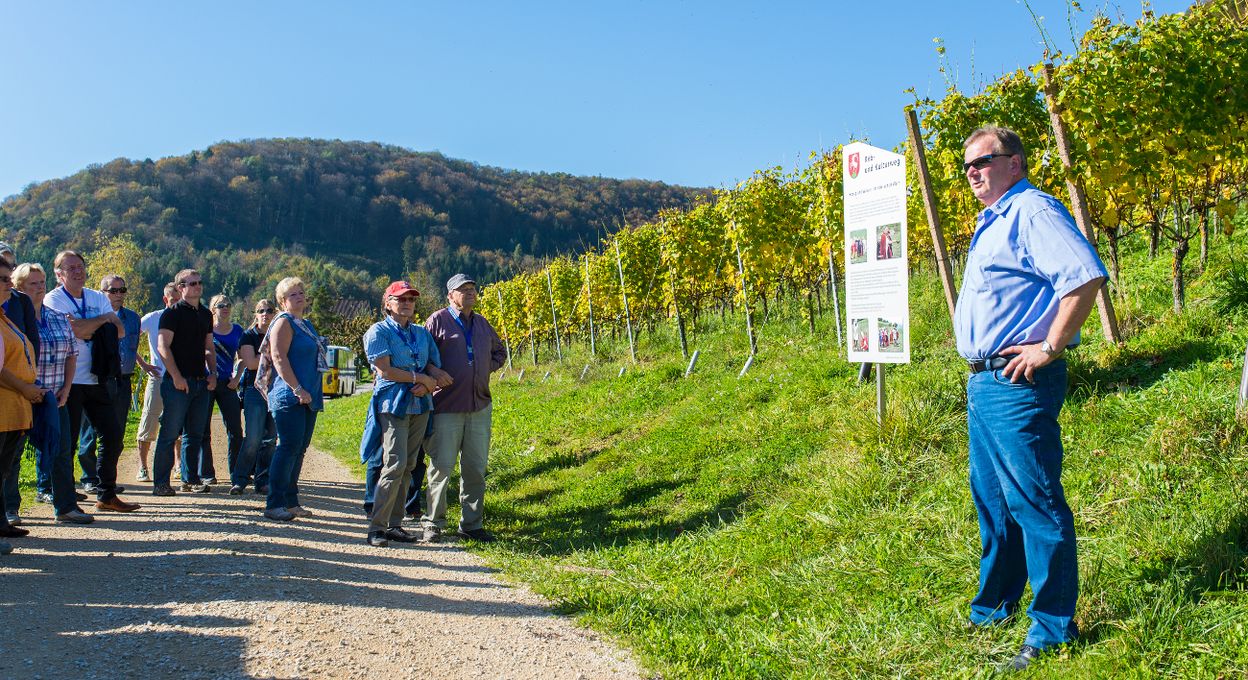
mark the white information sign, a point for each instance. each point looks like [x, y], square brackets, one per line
[877, 285]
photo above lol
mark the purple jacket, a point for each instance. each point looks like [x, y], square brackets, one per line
[471, 391]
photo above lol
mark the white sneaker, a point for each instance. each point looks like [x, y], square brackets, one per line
[75, 517]
[143, 476]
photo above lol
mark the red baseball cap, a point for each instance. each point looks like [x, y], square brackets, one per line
[401, 288]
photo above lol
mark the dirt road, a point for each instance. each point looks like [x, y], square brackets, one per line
[201, 586]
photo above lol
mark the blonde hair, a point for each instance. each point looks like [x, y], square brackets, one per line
[23, 270]
[284, 286]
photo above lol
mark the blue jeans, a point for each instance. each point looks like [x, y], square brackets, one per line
[1025, 526]
[187, 411]
[294, 433]
[257, 451]
[54, 468]
[231, 414]
[86, 439]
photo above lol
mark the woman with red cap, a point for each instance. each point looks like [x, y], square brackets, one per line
[406, 362]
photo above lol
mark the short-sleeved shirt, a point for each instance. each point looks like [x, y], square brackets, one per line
[1026, 255]
[409, 349]
[190, 326]
[129, 345]
[252, 337]
[226, 347]
[150, 324]
[56, 344]
[93, 303]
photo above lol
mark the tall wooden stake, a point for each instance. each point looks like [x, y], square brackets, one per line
[680, 321]
[628, 319]
[554, 315]
[1078, 201]
[745, 297]
[589, 301]
[929, 203]
[506, 343]
[879, 393]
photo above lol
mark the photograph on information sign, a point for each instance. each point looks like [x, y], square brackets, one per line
[888, 241]
[891, 336]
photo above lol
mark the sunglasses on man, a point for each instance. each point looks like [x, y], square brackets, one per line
[983, 161]
[123, 289]
[188, 284]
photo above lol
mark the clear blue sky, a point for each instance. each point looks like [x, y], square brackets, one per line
[697, 93]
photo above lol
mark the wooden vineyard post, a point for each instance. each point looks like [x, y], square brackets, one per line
[832, 291]
[1078, 200]
[554, 316]
[879, 393]
[745, 301]
[589, 301]
[680, 321]
[929, 204]
[506, 342]
[628, 319]
[532, 340]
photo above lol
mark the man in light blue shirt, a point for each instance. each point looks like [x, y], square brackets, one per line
[1030, 281]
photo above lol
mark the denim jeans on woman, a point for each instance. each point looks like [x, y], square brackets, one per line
[258, 441]
[294, 434]
[231, 408]
[1026, 528]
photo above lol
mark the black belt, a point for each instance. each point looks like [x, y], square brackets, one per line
[989, 364]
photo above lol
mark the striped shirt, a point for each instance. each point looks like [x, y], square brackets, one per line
[56, 344]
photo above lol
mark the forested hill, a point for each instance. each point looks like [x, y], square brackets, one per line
[352, 211]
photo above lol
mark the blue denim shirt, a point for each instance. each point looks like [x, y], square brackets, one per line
[409, 349]
[1026, 254]
[302, 358]
[129, 345]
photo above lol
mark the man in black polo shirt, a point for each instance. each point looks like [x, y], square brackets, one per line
[185, 345]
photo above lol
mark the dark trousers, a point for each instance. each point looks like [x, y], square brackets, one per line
[97, 403]
[12, 496]
[185, 415]
[261, 437]
[54, 466]
[9, 442]
[86, 440]
[231, 408]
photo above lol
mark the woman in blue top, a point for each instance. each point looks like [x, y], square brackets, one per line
[225, 338]
[407, 364]
[298, 356]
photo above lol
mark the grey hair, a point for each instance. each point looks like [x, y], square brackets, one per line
[1008, 141]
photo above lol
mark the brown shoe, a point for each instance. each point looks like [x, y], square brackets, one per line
[115, 504]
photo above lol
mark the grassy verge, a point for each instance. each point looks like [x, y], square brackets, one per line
[768, 527]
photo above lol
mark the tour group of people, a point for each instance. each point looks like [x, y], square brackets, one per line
[1030, 281]
[69, 356]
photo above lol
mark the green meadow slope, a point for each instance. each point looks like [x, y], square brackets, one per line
[767, 527]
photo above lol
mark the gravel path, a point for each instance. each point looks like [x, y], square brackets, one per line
[200, 586]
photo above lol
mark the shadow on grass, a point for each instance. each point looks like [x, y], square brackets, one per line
[1215, 561]
[1137, 369]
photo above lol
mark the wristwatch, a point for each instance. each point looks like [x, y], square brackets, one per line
[1048, 349]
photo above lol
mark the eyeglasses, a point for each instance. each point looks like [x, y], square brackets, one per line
[188, 284]
[264, 311]
[220, 306]
[983, 161]
[123, 289]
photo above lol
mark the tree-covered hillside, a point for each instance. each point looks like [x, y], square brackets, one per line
[357, 210]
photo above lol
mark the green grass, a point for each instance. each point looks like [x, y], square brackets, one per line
[767, 527]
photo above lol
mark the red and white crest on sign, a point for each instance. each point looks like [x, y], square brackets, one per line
[853, 165]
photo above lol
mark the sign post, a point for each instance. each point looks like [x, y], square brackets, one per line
[877, 284]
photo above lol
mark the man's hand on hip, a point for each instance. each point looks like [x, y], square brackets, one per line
[1027, 358]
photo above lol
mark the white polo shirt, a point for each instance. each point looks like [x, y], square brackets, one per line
[93, 303]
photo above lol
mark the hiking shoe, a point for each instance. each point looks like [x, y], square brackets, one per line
[164, 490]
[96, 489]
[90, 488]
[236, 490]
[195, 488]
[13, 532]
[74, 517]
[1022, 660]
[431, 534]
[13, 518]
[299, 511]
[413, 518]
[42, 497]
[80, 496]
[278, 514]
[478, 535]
[142, 476]
[400, 534]
[208, 481]
[377, 539]
[115, 504]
